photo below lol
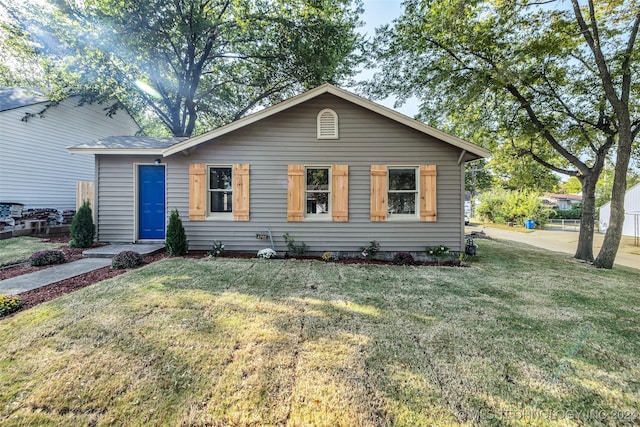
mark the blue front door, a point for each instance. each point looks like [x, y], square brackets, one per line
[151, 210]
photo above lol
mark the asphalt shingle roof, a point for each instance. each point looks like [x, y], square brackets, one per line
[131, 142]
[16, 97]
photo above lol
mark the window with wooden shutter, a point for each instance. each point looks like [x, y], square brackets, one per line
[428, 204]
[340, 193]
[295, 192]
[241, 192]
[197, 192]
[327, 124]
[378, 200]
[402, 188]
[219, 192]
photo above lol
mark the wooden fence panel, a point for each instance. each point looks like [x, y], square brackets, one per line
[85, 190]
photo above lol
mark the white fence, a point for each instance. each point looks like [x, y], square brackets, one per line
[566, 225]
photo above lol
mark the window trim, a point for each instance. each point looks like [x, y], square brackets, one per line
[334, 116]
[328, 216]
[404, 217]
[219, 215]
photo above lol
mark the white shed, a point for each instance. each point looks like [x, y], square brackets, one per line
[36, 169]
[631, 226]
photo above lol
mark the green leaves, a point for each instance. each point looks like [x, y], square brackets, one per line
[204, 62]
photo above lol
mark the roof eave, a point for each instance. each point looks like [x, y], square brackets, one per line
[131, 151]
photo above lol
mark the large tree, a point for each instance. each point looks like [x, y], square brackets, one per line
[194, 64]
[556, 79]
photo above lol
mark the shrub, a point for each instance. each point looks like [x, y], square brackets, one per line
[47, 257]
[82, 229]
[403, 258]
[294, 249]
[266, 253]
[329, 256]
[438, 252]
[369, 252]
[573, 213]
[502, 207]
[126, 259]
[176, 241]
[9, 304]
[217, 249]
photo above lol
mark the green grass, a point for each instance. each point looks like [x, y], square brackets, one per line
[517, 227]
[19, 249]
[520, 338]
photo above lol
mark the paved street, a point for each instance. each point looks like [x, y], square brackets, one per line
[563, 241]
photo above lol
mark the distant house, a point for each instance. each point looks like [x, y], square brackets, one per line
[330, 168]
[35, 167]
[562, 202]
[631, 225]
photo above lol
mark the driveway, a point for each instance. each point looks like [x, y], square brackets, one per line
[563, 241]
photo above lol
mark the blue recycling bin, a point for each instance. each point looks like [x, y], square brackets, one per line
[529, 224]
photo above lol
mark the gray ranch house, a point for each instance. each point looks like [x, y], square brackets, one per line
[330, 168]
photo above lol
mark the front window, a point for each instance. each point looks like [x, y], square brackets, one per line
[220, 190]
[403, 191]
[317, 192]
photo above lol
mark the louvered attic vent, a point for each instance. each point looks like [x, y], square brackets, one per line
[327, 124]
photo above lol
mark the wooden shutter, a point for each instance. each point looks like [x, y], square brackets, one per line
[340, 193]
[197, 192]
[428, 206]
[241, 192]
[295, 193]
[378, 211]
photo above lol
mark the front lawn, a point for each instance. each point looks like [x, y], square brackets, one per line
[19, 249]
[523, 337]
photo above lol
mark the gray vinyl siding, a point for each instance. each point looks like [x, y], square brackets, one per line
[289, 137]
[115, 194]
[35, 167]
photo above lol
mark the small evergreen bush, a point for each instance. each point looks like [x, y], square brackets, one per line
[176, 241]
[403, 258]
[82, 229]
[9, 304]
[126, 259]
[47, 257]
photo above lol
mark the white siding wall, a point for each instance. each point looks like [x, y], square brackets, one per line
[35, 167]
[290, 138]
[631, 209]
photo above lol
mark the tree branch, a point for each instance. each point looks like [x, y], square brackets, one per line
[521, 152]
[526, 105]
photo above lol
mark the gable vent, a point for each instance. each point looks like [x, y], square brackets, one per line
[327, 124]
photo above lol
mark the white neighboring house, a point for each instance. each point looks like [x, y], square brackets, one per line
[631, 225]
[35, 167]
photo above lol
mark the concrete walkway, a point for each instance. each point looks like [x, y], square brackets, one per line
[94, 259]
[563, 241]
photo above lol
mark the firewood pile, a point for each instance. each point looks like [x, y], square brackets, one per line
[67, 216]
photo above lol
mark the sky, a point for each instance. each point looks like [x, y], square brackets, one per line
[377, 13]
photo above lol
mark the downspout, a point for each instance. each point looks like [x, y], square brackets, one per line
[462, 193]
[96, 172]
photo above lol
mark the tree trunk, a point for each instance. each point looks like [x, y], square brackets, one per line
[612, 238]
[584, 250]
